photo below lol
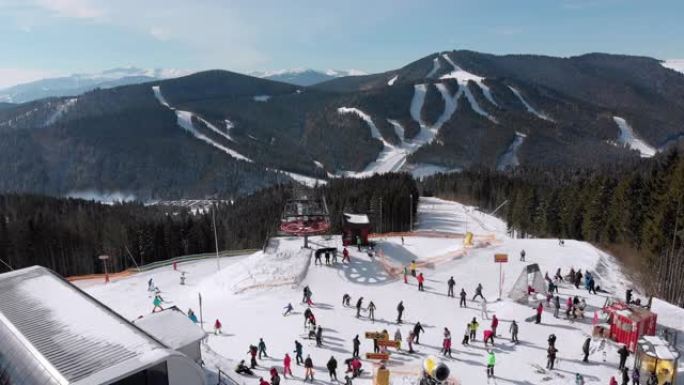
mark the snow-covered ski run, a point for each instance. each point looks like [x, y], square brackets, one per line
[527, 105]
[249, 293]
[509, 159]
[629, 138]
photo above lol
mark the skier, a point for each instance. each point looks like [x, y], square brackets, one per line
[327, 257]
[356, 344]
[466, 335]
[317, 258]
[568, 307]
[400, 311]
[263, 382]
[307, 315]
[356, 367]
[298, 352]
[446, 344]
[478, 292]
[623, 353]
[182, 278]
[495, 324]
[305, 293]
[371, 311]
[551, 356]
[157, 302]
[473, 329]
[359, 303]
[192, 316]
[417, 329]
[556, 306]
[252, 353]
[451, 283]
[484, 314]
[288, 309]
[488, 337]
[150, 285]
[262, 348]
[636, 376]
[625, 376]
[540, 309]
[413, 268]
[345, 255]
[613, 381]
[421, 279]
[332, 368]
[409, 340]
[514, 331]
[308, 369]
[217, 327]
[491, 361]
[522, 255]
[585, 349]
[558, 277]
[405, 274]
[551, 340]
[275, 378]
[319, 336]
[397, 338]
[241, 368]
[287, 366]
[346, 299]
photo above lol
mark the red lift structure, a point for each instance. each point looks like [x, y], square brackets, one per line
[304, 215]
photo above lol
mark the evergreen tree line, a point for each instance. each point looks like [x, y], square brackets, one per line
[637, 212]
[67, 235]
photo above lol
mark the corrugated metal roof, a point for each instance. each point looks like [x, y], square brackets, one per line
[69, 333]
[171, 327]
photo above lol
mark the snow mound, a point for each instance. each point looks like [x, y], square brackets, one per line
[391, 81]
[527, 105]
[261, 271]
[629, 138]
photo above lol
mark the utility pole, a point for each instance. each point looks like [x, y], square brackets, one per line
[201, 313]
[213, 217]
[411, 212]
[381, 222]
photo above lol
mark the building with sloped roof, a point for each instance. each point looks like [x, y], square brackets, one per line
[53, 333]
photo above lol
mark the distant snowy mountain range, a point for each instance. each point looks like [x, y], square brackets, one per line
[77, 84]
[304, 76]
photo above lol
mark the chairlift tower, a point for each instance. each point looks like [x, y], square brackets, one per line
[305, 214]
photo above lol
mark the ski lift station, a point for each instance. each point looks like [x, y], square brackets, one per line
[355, 227]
[174, 329]
[53, 333]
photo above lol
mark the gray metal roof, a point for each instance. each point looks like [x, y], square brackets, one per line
[68, 334]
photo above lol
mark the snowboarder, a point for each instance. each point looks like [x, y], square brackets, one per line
[484, 314]
[585, 349]
[319, 336]
[346, 299]
[287, 366]
[446, 344]
[400, 311]
[371, 311]
[262, 348]
[623, 353]
[421, 279]
[298, 352]
[275, 377]
[288, 309]
[253, 354]
[462, 302]
[451, 283]
[359, 304]
[514, 331]
[551, 356]
[345, 255]
[488, 337]
[478, 292]
[522, 255]
[217, 327]
[241, 368]
[192, 316]
[495, 324]
[473, 325]
[413, 268]
[636, 376]
[332, 368]
[356, 344]
[491, 361]
[540, 309]
[308, 369]
[417, 329]
[556, 306]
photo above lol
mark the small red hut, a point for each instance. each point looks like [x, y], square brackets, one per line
[628, 323]
[355, 226]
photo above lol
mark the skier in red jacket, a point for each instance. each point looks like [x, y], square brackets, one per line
[345, 255]
[287, 368]
[217, 327]
[495, 323]
[540, 309]
[421, 279]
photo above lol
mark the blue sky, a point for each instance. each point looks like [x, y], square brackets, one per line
[51, 37]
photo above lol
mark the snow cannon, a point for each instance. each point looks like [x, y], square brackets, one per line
[434, 372]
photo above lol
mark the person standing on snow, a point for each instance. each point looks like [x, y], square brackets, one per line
[409, 340]
[262, 348]
[332, 368]
[288, 309]
[275, 377]
[359, 304]
[421, 279]
[514, 332]
[307, 315]
[400, 311]
[217, 327]
[192, 316]
[579, 379]
[488, 337]
[405, 274]
[358, 243]
[298, 352]
[551, 340]
[491, 361]
[446, 344]
[556, 306]
[623, 353]
[585, 349]
[478, 292]
[551, 356]
[346, 299]
[319, 336]
[451, 283]
[473, 329]
[568, 307]
[356, 344]
[495, 324]
[484, 314]
[413, 268]
[463, 295]
[417, 329]
[636, 376]
[150, 285]
[522, 255]
[345, 255]
[625, 376]
[308, 369]
[397, 338]
[252, 353]
[157, 302]
[371, 311]
[287, 366]
[540, 310]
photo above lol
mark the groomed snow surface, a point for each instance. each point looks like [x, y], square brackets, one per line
[249, 292]
[628, 138]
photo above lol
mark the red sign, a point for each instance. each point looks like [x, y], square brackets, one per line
[389, 343]
[377, 356]
[500, 258]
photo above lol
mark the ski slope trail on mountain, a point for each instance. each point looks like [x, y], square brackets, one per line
[630, 139]
[527, 105]
[248, 294]
[509, 159]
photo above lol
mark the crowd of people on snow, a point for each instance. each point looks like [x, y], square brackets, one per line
[574, 308]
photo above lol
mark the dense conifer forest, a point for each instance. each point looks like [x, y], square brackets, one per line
[68, 235]
[637, 212]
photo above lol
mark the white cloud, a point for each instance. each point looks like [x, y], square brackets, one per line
[77, 9]
[13, 76]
